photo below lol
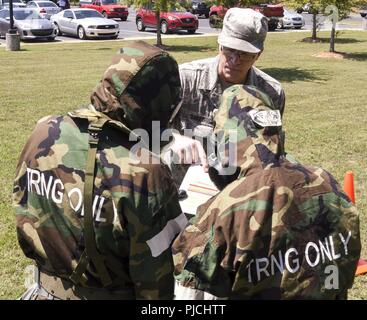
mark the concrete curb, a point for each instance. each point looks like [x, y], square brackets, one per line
[173, 36]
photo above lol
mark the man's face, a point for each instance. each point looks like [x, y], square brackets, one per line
[234, 65]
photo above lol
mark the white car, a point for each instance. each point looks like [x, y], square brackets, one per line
[291, 20]
[16, 4]
[85, 23]
[29, 24]
[45, 8]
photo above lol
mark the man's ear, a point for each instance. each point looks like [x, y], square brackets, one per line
[259, 54]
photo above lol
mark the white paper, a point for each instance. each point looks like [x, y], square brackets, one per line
[199, 189]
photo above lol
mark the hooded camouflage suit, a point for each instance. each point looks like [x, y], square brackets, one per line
[135, 206]
[280, 230]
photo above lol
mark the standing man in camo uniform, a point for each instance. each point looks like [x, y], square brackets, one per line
[241, 43]
[278, 229]
[98, 223]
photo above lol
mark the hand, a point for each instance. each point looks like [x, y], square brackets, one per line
[189, 151]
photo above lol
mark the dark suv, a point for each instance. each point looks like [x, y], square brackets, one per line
[200, 8]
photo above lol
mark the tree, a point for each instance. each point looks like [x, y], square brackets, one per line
[315, 7]
[157, 6]
[334, 9]
[337, 10]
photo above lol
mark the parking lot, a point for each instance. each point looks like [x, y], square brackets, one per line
[128, 28]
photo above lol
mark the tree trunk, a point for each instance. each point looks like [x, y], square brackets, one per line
[158, 19]
[314, 35]
[332, 40]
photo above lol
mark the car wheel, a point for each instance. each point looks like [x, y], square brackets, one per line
[207, 15]
[51, 38]
[140, 25]
[81, 33]
[115, 37]
[123, 18]
[164, 27]
[191, 31]
[272, 27]
[299, 11]
[58, 32]
[104, 13]
[363, 15]
[297, 27]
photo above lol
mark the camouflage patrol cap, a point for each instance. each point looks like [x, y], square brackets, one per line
[141, 85]
[244, 30]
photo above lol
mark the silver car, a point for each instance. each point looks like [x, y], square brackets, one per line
[16, 4]
[85, 23]
[29, 23]
[45, 8]
[291, 20]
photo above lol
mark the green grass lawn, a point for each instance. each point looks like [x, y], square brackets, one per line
[325, 116]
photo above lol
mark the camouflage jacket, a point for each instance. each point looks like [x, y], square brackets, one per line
[135, 206]
[201, 93]
[280, 230]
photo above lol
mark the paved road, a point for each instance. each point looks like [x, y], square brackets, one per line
[128, 28]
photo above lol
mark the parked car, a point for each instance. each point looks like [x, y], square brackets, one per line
[177, 19]
[85, 23]
[291, 20]
[16, 4]
[108, 8]
[199, 8]
[363, 11]
[271, 11]
[45, 8]
[29, 23]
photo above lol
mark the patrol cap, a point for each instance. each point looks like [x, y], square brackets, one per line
[244, 30]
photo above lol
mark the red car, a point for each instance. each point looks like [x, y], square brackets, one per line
[108, 8]
[169, 21]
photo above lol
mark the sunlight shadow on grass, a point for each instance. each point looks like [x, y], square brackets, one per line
[294, 74]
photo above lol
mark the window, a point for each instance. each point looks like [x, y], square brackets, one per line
[4, 14]
[82, 14]
[26, 14]
[68, 14]
[104, 2]
[47, 4]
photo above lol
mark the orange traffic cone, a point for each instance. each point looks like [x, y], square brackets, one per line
[349, 186]
[349, 190]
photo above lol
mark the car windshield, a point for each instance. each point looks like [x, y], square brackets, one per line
[46, 4]
[82, 14]
[109, 1]
[26, 15]
[14, 1]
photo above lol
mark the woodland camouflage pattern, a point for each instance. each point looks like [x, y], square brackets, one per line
[230, 248]
[133, 203]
